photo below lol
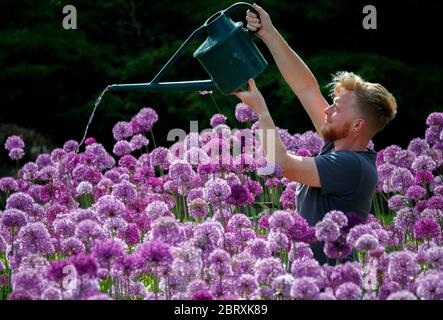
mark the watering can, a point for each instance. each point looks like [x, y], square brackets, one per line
[228, 55]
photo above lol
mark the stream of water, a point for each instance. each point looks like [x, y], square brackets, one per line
[97, 102]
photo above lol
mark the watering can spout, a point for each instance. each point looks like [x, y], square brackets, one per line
[165, 86]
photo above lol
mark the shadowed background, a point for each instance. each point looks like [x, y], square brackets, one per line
[50, 77]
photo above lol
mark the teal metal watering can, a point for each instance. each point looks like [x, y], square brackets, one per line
[228, 55]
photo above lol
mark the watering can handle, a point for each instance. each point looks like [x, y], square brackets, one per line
[244, 6]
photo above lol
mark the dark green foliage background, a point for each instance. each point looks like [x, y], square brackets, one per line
[50, 77]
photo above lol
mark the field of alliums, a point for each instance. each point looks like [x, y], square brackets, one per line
[202, 220]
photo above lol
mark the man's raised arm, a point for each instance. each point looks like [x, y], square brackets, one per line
[293, 69]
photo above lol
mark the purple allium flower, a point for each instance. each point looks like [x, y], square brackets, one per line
[281, 220]
[110, 206]
[88, 230]
[202, 295]
[130, 234]
[305, 288]
[246, 285]
[21, 201]
[418, 146]
[348, 291]
[243, 113]
[311, 141]
[107, 251]
[84, 264]
[430, 286]
[8, 184]
[181, 171]
[434, 256]
[70, 145]
[217, 119]
[282, 286]
[398, 202]
[402, 266]
[258, 248]
[51, 293]
[243, 263]
[56, 270]
[308, 268]
[263, 222]
[357, 231]
[267, 269]
[159, 157]
[427, 228]
[216, 190]
[13, 220]
[14, 142]
[239, 195]
[424, 163]
[128, 162]
[338, 217]
[157, 209]
[327, 230]
[366, 242]
[30, 281]
[220, 263]
[124, 191]
[90, 140]
[64, 227]
[122, 148]
[122, 130]
[198, 208]
[239, 221]
[402, 295]
[300, 231]
[71, 246]
[144, 120]
[278, 241]
[348, 272]
[35, 238]
[288, 198]
[423, 177]
[154, 254]
[435, 119]
[168, 230]
[300, 250]
[139, 141]
[400, 180]
[435, 202]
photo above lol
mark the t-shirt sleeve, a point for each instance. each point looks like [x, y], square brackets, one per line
[339, 172]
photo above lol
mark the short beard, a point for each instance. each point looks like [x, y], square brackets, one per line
[333, 134]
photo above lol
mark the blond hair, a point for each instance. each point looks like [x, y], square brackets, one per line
[375, 104]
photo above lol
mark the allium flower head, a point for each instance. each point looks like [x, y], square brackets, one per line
[35, 238]
[144, 120]
[217, 119]
[122, 130]
[110, 206]
[198, 208]
[154, 254]
[348, 291]
[427, 228]
[243, 113]
[21, 201]
[14, 142]
[366, 242]
[216, 190]
[304, 288]
[327, 230]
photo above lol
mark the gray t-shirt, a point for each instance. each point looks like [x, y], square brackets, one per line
[348, 180]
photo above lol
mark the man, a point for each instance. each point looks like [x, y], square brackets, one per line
[343, 176]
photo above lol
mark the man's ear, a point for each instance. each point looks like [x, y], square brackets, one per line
[359, 125]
